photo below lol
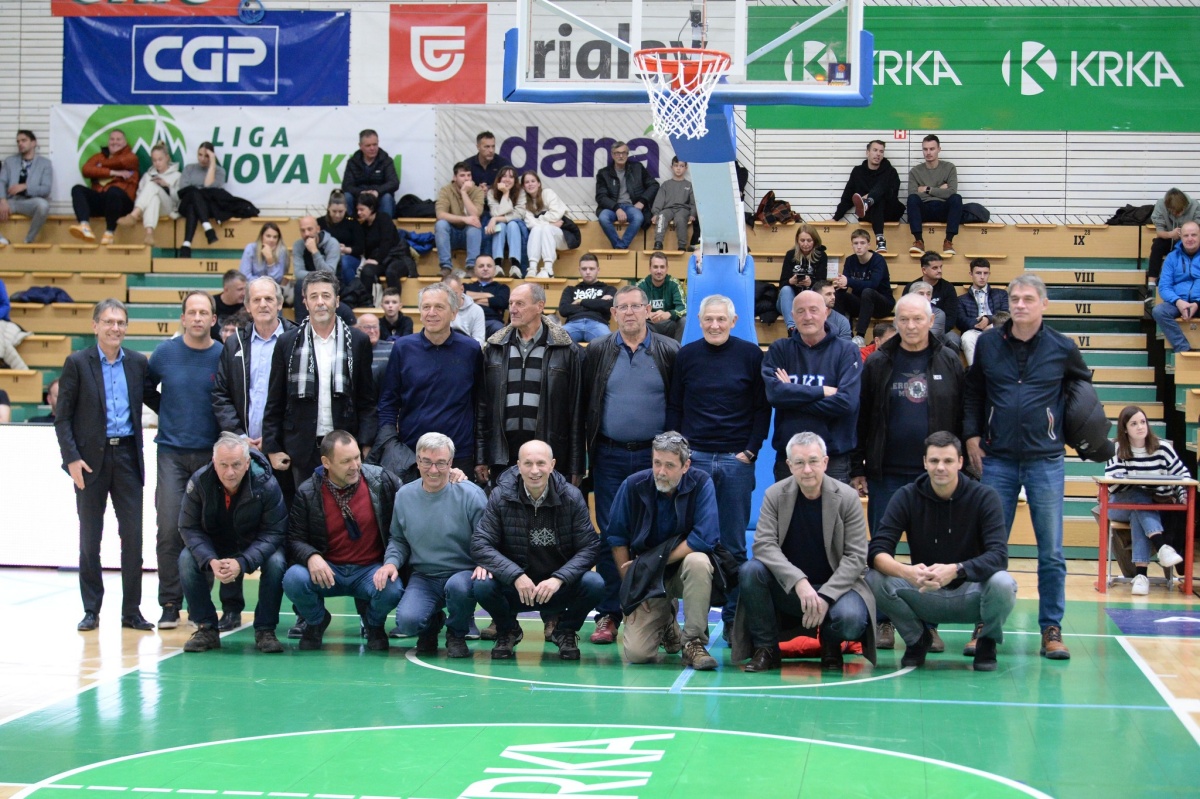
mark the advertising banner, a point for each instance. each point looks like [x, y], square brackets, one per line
[145, 8]
[278, 159]
[293, 58]
[1000, 68]
[564, 146]
[438, 53]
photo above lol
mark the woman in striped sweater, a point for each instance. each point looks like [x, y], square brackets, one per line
[1140, 453]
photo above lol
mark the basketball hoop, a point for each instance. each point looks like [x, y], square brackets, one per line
[679, 81]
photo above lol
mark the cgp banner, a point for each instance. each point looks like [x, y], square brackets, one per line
[291, 58]
[1000, 68]
[283, 159]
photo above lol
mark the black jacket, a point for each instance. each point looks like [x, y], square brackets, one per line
[817, 270]
[968, 528]
[379, 238]
[560, 401]
[863, 180]
[968, 308]
[257, 517]
[944, 403]
[307, 534]
[380, 176]
[638, 182]
[1019, 413]
[231, 389]
[500, 542]
[598, 362]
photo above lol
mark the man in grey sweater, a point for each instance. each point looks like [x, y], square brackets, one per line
[933, 197]
[25, 186]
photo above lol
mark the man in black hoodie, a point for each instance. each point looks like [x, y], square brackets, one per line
[874, 191]
[959, 551]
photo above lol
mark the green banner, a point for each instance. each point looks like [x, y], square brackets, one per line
[1016, 68]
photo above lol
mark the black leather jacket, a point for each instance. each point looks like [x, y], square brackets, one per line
[638, 182]
[598, 364]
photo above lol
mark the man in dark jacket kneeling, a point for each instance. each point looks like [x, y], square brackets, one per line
[233, 522]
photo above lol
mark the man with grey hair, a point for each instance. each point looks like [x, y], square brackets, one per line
[810, 555]
[99, 429]
[233, 522]
[315, 250]
[625, 370]
[431, 534]
[469, 320]
[381, 348]
[937, 326]
[717, 400]
[1013, 424]
[663, 528]
[432, 380]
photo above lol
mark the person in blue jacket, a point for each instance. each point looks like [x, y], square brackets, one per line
[1178, 287]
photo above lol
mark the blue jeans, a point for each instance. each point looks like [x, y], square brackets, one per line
[447, 237]
[510, 233]
[1142, 523]
[348, 269]
[787, 295]
[387, 204]
[610, 466]
[1043, 479]
[911, 611]
[349, 580]
[424, 596]
[880, 493]
[585, 330]
[734, 483]
[572, 603]
[1166, 315]
[608, 219]
[769, 610]
[948, 211]
[197, 588]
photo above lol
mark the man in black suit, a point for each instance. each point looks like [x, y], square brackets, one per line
[99, 428]
[320, 381]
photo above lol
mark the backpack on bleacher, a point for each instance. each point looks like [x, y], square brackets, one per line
[773, 211]
[410, 206]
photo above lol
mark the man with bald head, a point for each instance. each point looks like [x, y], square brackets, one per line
[1179, 287]
[812, 381]
[315, 249]
[537, 544]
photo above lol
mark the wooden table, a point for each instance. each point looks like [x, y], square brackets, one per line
[1105, 484]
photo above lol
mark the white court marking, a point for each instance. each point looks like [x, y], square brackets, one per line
[1180, 707]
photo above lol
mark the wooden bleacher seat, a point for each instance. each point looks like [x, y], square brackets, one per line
[45, 350]
[83, 287]
[22, 385]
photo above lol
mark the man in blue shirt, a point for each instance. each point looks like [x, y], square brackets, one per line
[99, 429]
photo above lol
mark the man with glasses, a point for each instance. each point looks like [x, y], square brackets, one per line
[624, 190]
[627, 375]
[99, 428]
[25, 180]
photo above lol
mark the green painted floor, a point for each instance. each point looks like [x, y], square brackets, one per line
[349, 724]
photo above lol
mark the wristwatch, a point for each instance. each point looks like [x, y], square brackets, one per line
[961, 573]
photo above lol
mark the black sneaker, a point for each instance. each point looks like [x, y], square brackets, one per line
[985, 654]
[169, 619]
[505, 642]
[229, 621]
[185, 252]
[377, 640]
[568, 645]
[880, 244]
[658, 245]
[456, 647]
[297, 629]
[914, 654]
[266, 642]
[427, 641]
[312, 637]
[831, 655]
[205, 638]
[210, 236]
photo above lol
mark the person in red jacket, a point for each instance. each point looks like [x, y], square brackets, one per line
[113, 175]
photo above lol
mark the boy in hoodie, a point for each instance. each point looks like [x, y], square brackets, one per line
[674, 202]
[874, 191]
[586, 306]
[959, 552]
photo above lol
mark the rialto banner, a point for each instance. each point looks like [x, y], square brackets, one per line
[565, 145]
[286, 159]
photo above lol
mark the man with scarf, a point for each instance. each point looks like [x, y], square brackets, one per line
[336, 540]
[320, 382]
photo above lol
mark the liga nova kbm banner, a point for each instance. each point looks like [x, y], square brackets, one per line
[1000, 68]
[275, 158]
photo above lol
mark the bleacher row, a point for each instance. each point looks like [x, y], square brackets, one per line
[1093, 274]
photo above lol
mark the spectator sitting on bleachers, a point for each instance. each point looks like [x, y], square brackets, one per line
[230, 299]
[879, 334]
[543, 214]
[933, 196]
[157, 192]
[674, 202]
[491, 296]
[803, 265]
[381, 348]
[379, 238]
[460, 205]
[505, 225]
[469, 320]
[346, 230]
[485, 165]
[873, 190]
[113, 177]
[371, 172]
[314, 250]
[1168, 217]
[1178, 287]
[837, 322]
[25, 180]
[5, 407]
[978, 306]
[864, 289]
[625, 191]
[52, 401]
[586, 307]
[667, 304]
[393, 323]
[266, 255]
[10, 335]
[944, 297]
[196, 187]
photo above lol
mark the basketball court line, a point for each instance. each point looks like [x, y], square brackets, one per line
[1181, 708]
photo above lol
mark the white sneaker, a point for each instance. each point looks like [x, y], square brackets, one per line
[1141, 585]
[858, 341]
[514, 271]
[3, 242]
[543, 273]
[1168, 557]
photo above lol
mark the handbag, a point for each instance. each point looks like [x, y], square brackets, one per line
[571, 233]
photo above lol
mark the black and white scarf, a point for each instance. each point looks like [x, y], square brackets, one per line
[302, 369]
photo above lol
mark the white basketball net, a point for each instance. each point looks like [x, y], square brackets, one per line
[679, 89]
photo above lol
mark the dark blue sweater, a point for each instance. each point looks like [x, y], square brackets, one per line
[801, 405]
[871, 275]
[717, 398]
[186, 419]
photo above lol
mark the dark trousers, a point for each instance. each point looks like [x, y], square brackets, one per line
[1159, 249]
[948, 211]
[194, 208]
[571, 602]
[112, 204]
[864, 307]
[885, 204]
[119, 476]
[772, 612]
[174, 469]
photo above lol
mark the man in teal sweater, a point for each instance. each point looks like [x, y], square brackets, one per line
[667, 305]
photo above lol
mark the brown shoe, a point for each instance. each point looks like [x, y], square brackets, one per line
[969, 649]
[917, 249]
[695, 656]
[488, 633]
[765, 658]
[606, 630]
[948, 248]
[548, 627]
[1053, 647]
[885, 635]
[266, 642]
[938, 646]
[672, 637]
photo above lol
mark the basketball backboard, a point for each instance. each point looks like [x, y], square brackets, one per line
[784, 52]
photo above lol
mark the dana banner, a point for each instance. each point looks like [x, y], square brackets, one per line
[282, 160]
[565, 146]
[290, 58]
[1083, 68]
[144, 8]
[437, 53]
